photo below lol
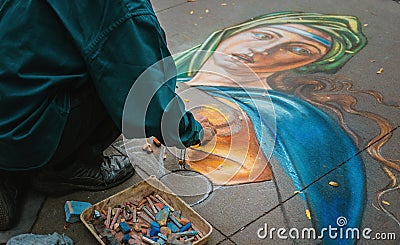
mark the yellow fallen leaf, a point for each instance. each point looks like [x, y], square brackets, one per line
[386, 203]
[333, 183]
[207, 10]
[191, 12]
[380, 71]
[186, 100]
[308, 214]
[224, 4]
[365, 24]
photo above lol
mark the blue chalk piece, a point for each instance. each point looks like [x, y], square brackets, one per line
[161, 241]
[176, 222]
[187, 233]
[162, 236]
[126, 238]
[172, 227]
[154, 224]
[73, 210]
[125, 228]
[186, 227]
[96, 214]
[162, 216]
[154, 231]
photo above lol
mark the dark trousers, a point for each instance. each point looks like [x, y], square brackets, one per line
[88, 131]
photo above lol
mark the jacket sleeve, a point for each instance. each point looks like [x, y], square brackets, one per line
[129, 62]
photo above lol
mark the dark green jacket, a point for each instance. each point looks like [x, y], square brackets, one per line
[49, 49]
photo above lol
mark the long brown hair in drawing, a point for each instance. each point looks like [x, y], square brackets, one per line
[337, 95]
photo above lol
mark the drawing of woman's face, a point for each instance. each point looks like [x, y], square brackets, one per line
[273, 48]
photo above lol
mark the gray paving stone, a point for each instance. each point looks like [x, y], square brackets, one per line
[230, 208]
[249, 234]
[216, 237]
[227, 242]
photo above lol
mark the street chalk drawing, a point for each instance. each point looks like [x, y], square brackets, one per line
[295, 107]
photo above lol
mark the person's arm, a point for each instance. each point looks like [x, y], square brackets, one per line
[119, 40]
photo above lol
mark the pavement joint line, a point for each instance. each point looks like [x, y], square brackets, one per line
[305, 188]
[226, 237]
[278, 192]
[176, 5]
[251, 222]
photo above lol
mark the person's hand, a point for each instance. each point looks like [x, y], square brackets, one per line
[209, 130]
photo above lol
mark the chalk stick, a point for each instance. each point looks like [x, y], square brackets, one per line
[73, 210]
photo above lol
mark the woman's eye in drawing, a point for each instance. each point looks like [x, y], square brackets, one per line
[300, 51]
[262, 35]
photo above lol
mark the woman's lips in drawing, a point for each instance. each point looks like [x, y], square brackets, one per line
[243, 57]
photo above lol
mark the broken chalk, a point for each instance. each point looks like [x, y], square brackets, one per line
[162, 216]
[73, 210]
[154, 231]
[161, 241]
[175, 220]
[147, 240]
[156, 142]
[172, 227]
[165, 231]
[126, 238]
[185, 227]
[186, 233]
[125, 228]
[165, 203]
[147, 148]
